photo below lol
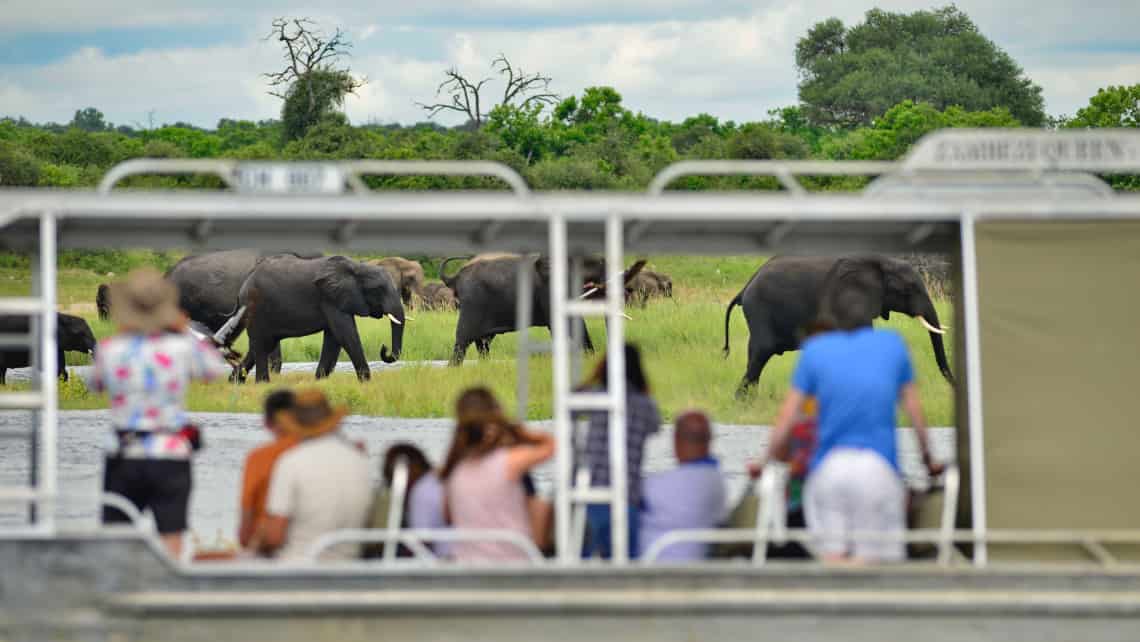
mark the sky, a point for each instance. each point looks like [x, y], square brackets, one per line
[201, 61]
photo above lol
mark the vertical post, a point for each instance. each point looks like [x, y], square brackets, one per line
[524, 302]
[561, 370]
[34, 361]
[575, 327]
[615, 376]
[49, 378]
[974, 387]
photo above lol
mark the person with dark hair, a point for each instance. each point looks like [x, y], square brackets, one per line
[642, 419]
[423, 503]
[690, 496]
[483, 473]
[146, 370]
[259, 467]
[858, 375]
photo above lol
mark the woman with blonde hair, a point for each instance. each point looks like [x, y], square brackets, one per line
[483, 475]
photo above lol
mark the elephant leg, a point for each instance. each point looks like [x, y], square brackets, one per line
[465, 335]
[260, 349]
[330, 351]
[275, 358]
[587, 344]
[61, 366]
[345, 333]
[759, 352]
[483, 346]
[3, 375]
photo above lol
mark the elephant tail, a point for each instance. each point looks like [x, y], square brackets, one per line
[727, 317]
[449, 281]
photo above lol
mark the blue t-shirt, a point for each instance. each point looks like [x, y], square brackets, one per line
[856, 376]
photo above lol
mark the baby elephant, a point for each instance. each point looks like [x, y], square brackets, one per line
[72, 335]
[437, 296]
[646, 285]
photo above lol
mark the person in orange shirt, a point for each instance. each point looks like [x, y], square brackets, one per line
[259, 468]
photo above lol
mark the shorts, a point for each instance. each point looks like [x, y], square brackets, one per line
[162, 485]
[856, 490]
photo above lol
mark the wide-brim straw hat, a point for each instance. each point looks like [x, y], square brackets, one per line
[145, 301]
[311, 415]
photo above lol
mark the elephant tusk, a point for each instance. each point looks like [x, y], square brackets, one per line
[588, 293]
[393, 319]
[926, 324]
[626, 316]
[408, 318]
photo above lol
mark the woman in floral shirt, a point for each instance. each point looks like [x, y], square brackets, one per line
[146, 370]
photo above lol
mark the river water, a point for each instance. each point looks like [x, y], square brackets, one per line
[229, 436]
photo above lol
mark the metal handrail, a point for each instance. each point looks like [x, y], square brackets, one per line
[417, 536]
[221, 168]
[783, 171]
[354, 170]
[397, 494]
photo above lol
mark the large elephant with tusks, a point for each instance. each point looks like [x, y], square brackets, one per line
[782, 300]
[288, 296]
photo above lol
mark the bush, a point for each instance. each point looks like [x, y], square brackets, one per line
[18, 168]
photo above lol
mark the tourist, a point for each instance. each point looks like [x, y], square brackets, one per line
[258, 468]
[146, 370]
[691, 496]
[423, 501]
[483, 474]
[858, 375]
[642, 419]
[318, 486]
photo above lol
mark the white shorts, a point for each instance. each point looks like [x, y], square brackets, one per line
[855, 490]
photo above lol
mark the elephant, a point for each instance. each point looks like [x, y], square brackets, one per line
[649, 285]
[408, 276]
[289, 296]
[103, 301]
[783, 298]
[208, 287]
[72, 335]
[437, 296]
[486, 289]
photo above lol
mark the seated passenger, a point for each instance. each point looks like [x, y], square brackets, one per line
[690, 496]
[423, 501]
[483, 474]
[319, 486]
[259, 466]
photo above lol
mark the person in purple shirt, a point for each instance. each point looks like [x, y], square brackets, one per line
[690, 496]
[859, 375]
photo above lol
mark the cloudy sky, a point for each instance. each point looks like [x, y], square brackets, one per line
[201, 60]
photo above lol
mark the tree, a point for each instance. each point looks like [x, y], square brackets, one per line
[89, 120]
[315, 86]
[849, 76]
[521, 90]
[1110, 107]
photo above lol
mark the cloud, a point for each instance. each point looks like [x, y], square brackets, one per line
[669, 58]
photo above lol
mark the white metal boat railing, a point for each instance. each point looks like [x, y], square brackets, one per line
[416, 537]
[627, 219]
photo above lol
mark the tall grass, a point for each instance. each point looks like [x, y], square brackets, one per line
[681, 340]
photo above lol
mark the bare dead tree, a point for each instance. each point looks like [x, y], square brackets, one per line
[307, 50]
[520, 84]
[521, 89]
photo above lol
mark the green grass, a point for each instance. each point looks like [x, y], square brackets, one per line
[681, 340]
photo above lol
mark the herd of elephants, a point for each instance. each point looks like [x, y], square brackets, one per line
[275, 296]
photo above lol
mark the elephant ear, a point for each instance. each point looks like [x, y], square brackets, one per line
[336, 280]
[867, 271]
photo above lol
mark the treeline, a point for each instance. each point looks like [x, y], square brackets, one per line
[868, 92]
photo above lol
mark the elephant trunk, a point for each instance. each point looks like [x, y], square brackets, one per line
[397, 319]
[925, 310]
